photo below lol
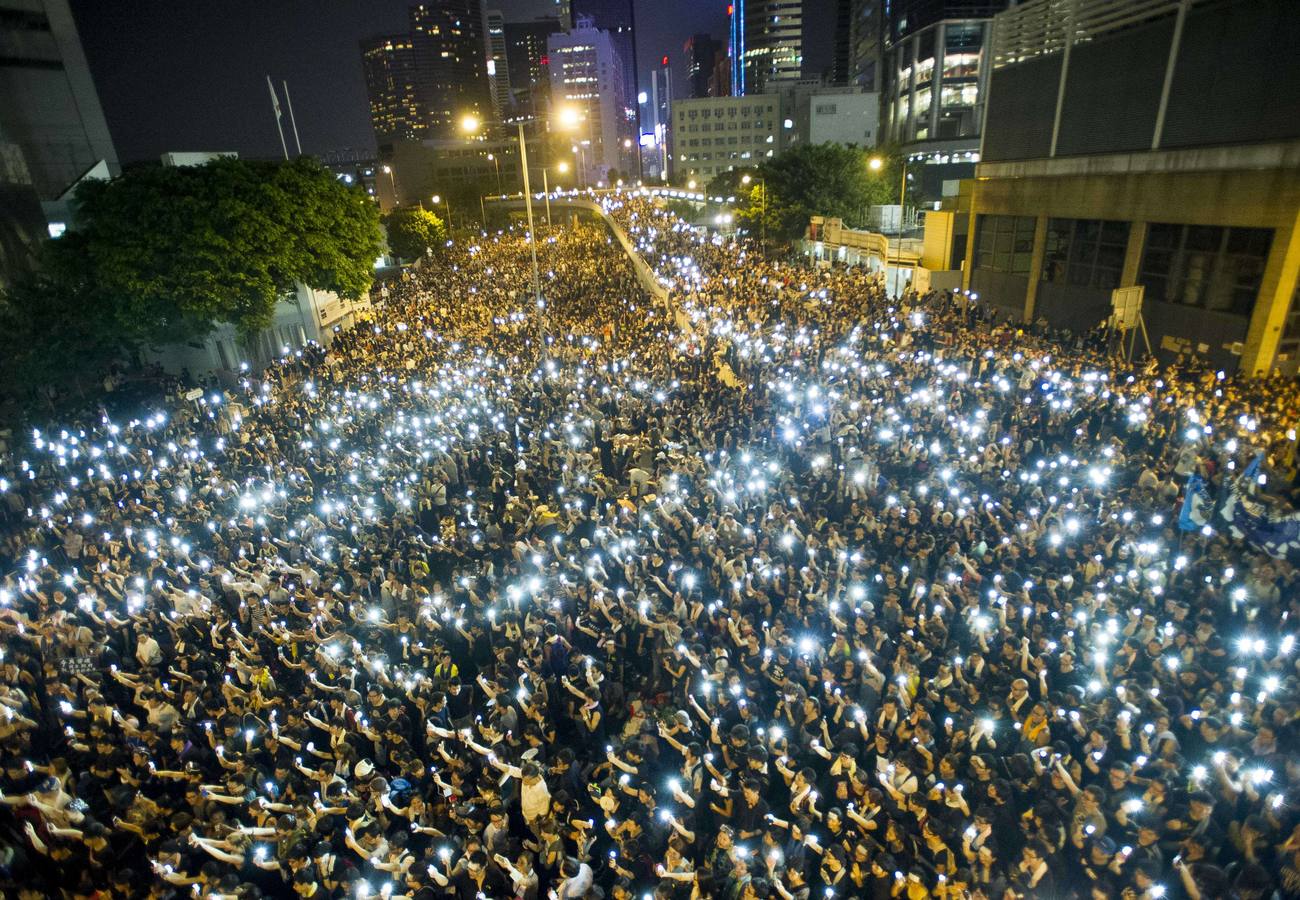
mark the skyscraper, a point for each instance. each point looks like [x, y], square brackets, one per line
[391, 85]
[49, 108]
[866, 32]
[616, 17]
[701, 54]
[842, 42]
[497, 68]
[766, 43]
[526, 63]
[587, 74]
[449, 40]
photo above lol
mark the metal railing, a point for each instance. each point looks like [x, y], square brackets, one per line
[1044, 27]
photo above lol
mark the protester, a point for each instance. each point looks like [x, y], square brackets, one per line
[767, 587]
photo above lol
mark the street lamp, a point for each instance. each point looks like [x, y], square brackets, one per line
[392, 183]
[568, 117]
[497, 164]
[438, 199]
[875, 164]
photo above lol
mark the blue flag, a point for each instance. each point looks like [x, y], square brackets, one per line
[1275, 532]
[1197, 505]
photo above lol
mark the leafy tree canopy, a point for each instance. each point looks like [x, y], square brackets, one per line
[808, 180]
[164, 254]
[411, 230]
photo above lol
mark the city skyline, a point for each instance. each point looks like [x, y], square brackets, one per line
[193, 77]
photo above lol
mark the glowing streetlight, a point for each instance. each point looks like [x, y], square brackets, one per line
[745, 179]
[875, 164]
[470, 124]
[563, 167]
[691, 184]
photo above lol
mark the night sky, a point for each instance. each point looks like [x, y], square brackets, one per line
[192, 76]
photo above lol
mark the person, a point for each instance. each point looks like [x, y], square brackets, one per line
[747, 580]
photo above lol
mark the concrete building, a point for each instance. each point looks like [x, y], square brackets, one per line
[304, 315]
[1141, 142]
[714, 134]
[936, 69]
[498, 69]
[825, 114]
[449, 38]
[388, 63]
[526, 61]
[766, 44]
[618, 17]
[702, 51]
[866, 43]
[587, 74]
[412, 172]
[49, 109]
[22, 224]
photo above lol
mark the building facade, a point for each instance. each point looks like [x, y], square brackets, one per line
[702, 52]
[936, 70]
[866, 43]
[823, 114]
[450, 44]
[527, 62]
[498, 70]
[766, 44]
[715, 134]
[1139, 143]
[587, 74]
[388, 62]
[49, 108]
[618, 17]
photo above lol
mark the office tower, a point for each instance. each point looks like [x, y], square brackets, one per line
[391, 86]
[766, 43]
[720, 80]
[526, 63]
[935, 71]
[866, 33]
[617, 17]
[497, 68]
[449, 40]
[655, 159]
[841, 43]
[587, 75]
[49, 109]
[701, 55]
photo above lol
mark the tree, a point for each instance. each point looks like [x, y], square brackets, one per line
[808, 180]
[412, 229]
[164, 254]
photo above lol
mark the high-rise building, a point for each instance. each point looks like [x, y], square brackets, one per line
[841, 43]
[866, 43]
[936, 68]
[450, 43]
[766, 43]
[497, 68]
[701, 56]
[1132, 145]
[388, 62]
[716, 134]
[720, 80]
[526, 61]
[587, 75]
[49, 108]
[619, 19]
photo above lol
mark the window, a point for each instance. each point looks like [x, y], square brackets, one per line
[1004, 243]
[1207, 266]
[960, 95]
[1085, 252]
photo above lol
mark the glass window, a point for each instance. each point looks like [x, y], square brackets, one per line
[1085, 252]
[1004, 243]
[960, 94]
[1206, 266]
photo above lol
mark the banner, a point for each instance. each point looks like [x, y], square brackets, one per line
[1274, 532]
[1198, 506]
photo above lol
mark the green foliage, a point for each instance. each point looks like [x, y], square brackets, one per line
[411, 230]
[49, 338]
[807, 180]
[165, 254]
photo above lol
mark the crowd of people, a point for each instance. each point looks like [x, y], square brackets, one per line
[756, 584]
